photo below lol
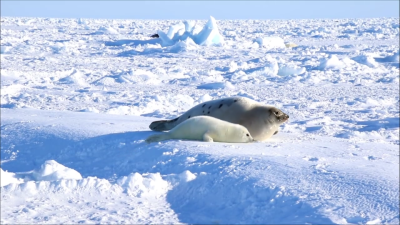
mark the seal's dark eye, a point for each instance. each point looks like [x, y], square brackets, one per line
[276, 113]
[247, 135]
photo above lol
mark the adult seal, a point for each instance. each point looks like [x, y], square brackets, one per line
[261, 120]
[205, 128]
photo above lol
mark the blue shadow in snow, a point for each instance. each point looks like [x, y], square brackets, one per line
[100, 156]
[132, 42]
[388, 123]
[219, 197]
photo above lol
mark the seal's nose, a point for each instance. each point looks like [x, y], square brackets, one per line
[285, 117]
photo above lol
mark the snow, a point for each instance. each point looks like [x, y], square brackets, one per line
[9, 178]
[331, 63]
[272, 42]
[51, 170]
[78, 95]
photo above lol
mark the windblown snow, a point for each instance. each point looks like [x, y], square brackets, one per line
[78, 95]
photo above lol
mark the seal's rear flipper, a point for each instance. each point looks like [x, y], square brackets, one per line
[158, 125]
[163, 125]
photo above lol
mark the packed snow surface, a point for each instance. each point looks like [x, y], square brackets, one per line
[78, 95]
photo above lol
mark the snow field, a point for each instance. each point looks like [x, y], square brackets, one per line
[77, 96]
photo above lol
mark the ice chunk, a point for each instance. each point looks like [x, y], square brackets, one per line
[189, 26]
[165, 40]
[176, 30]
[209, 35]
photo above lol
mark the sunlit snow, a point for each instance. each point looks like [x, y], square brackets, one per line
[78, 95]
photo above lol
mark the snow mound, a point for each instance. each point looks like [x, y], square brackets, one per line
[204, 98]
[9, 178]
[76, 77]
[187, 176]
[287, 70]
[52, 170]
[331, 63]
[270, 42]
[208, 36]
[149, 185]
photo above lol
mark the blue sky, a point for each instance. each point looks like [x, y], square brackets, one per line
[201, 9]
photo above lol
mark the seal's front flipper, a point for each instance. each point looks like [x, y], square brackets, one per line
[157, 138]
[275, 132]
[207, 138]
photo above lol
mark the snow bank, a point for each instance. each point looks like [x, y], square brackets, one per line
[51, 170]
[208, 36]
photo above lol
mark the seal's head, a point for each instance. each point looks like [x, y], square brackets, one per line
[239, 134]
[278, 115]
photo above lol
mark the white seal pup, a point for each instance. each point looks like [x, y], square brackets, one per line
[205, 128]
[262, 121]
